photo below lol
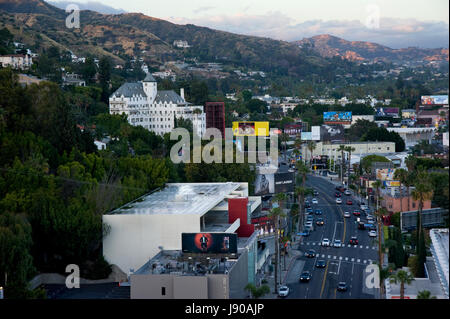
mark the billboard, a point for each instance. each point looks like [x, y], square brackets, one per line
[264, 184]
[330, 133]
[385, 174]
[284, 182]
[306, 136]
[293, 129]
[387, 111]
[274, 183]
[434, 99]
[249, 128]
[315, 133]
[391, 183]
[209, 243]
[337, 117]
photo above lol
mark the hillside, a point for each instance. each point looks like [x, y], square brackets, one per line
[121, 36]
[329, 46]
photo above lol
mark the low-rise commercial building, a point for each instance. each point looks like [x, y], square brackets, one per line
[396, 199]
[331, 149]
[138, 230]
[413, 135]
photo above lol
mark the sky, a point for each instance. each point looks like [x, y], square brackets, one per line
[394, 23]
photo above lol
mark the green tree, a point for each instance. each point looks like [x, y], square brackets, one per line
[104, 77]
[275, 214]
[425, 294]
[257, 292]
[403, 278]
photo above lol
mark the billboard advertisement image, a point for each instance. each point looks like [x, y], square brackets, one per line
[249, 128]
[385, 174]
[387, 111]
[315, 133]
[330, 133]
[337, 117]
[434, 99]
[284, 182]
[264, 184]
[209, 243]
[293, 129]
[306, 136]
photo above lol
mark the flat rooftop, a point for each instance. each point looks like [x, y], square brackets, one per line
[180, 198]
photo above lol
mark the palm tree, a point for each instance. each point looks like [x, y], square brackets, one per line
[349, 150]
[342, 149]
[303, 171]
[423, 191]
[425, 294]
[275, 214]
[402, 277]
[401, 175]
[284, 138]
[311, 147]
[379, 213]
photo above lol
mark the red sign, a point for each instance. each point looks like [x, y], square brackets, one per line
[398, 297]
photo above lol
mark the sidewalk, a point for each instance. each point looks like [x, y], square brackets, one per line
[293, 253]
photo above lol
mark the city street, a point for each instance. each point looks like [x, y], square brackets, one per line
[347, 263]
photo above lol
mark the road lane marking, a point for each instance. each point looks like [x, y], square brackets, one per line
[323, 280]
[364, 261]
[346, 258]
[353, 259]
[329, 256]
[323, 256]
[361, 246]
[359, 260]
[340, 258]
[334, 257]
[367, 247]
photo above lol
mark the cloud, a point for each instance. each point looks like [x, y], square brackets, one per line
[203, 9]
[394, 33]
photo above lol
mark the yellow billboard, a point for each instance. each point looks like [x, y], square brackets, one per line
[250, 128]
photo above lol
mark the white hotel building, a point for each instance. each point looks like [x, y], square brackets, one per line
[155, 110]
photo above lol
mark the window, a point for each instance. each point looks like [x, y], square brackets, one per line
[414, 205]
[163, 291]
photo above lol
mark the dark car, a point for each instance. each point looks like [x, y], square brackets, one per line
[306, 232]
[321, 263]
[349, 202]
[318, 212]
[309, 210]
[337, 195]
[341, 189]
[316, 193]
[320, 222]
[310, 253]
[307, 205]
[353, 241]
[342, 286]
[305, 276]
[357, 213]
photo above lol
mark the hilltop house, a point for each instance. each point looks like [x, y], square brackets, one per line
[155, 110]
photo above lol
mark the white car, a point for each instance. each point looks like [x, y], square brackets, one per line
[338, 201]
[283, 291]
[325, 242]
[347, 192]
[337, 243]
[372, 233]
[347, 214]
[315, 201]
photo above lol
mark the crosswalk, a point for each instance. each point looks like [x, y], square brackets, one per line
[342, 258]
[354, 246]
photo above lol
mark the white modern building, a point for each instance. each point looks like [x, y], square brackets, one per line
[361, 148]
[155, 110]
[413, 135]
[439, 249]
[141, 229]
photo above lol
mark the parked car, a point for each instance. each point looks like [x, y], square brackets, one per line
[347, 192]
[309, 210]
[305, 276]
[310, 253]
[337, 243]
[283, 291]
[353, 240]
[321, 263]
[325, 242]
[338, 201]
[349, 202]
[316, 193]
[372, 233]
[347, 214]
[342, 286]
[318, 212]
[320, 222]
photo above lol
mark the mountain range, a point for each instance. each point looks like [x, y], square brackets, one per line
[329, 46]
[120, 36]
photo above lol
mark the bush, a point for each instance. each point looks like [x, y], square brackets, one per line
[99, 269]
[413, 265]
